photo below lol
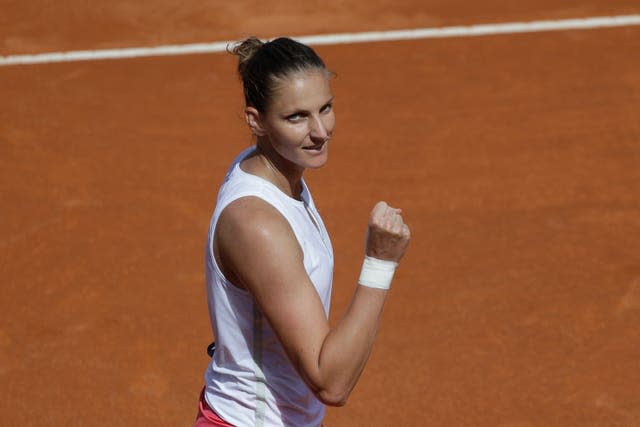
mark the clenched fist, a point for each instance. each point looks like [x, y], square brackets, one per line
[388, 236]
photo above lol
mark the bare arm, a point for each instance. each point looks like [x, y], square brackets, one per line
[256, 246]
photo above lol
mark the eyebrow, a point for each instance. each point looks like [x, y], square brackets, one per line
[298, 111]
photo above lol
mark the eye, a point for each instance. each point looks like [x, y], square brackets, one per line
[295, 117]
[326, 108]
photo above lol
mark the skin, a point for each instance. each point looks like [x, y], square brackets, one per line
[293, 134]
[258, 251]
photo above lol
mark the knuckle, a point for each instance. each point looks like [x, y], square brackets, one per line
[376, 228]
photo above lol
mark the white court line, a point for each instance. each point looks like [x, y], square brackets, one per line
[332, 39]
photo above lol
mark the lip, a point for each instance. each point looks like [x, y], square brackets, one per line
[318, 147]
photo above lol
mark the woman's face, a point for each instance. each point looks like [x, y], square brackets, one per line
[300, 119]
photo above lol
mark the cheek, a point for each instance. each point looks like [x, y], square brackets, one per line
[289, 136]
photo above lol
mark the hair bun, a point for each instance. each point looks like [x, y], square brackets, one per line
[245, 50]
[261, 64]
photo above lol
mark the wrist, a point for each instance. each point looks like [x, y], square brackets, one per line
[377, 273]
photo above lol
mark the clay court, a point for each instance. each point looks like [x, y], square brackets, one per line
[515, 157]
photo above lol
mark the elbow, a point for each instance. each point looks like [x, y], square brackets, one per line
[333, 397]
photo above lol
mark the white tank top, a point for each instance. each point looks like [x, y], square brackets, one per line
[250, 380]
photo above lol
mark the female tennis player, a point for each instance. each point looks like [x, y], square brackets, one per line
[269, 260]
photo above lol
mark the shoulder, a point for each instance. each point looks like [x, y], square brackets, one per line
[252, 213]
[254, 244]
[253, 222]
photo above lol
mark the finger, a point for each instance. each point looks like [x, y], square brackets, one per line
[378, 210]
[394, 211]
[396, 222]
[392, 221]
[406, 232]
[381, 205]
[385, 216]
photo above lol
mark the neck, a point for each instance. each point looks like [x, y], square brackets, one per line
[279, 171]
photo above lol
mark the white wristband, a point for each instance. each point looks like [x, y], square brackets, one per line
[377, 273]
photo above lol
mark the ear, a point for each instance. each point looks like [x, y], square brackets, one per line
[252, 116]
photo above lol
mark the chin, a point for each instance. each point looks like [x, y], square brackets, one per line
[317, 162]
[316, 166]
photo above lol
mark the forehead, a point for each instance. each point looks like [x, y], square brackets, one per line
[306, 90]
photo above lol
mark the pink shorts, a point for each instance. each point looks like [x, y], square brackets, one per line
[207, 417]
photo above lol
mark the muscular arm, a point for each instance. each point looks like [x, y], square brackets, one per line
[256, 246]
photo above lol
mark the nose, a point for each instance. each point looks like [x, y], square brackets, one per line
[318, 131]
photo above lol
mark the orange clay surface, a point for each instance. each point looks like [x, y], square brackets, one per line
[516, 159]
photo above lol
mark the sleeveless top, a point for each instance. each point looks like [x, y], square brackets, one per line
[250, 380]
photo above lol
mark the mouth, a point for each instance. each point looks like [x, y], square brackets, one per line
[316, 147]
